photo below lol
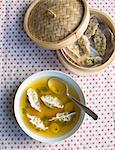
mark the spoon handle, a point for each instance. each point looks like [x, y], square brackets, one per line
[84, 108]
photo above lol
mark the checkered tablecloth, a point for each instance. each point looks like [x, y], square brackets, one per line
[20, 57]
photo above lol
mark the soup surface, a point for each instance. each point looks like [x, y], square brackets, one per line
[55, 127]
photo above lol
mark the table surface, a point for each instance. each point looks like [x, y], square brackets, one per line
[19, 58]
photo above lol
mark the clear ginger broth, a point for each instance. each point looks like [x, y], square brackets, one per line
[47, 113]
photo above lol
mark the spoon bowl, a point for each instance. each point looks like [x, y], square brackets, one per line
[57, 86]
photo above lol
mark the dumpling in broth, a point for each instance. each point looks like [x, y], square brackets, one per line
[33, 99]
[64, 116]
[37, 122]
[51, 101]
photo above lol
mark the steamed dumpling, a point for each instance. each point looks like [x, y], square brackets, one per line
[100, 42]
[37, 122]
[64, 116]
[92, 27]
[84, 43]
[33, 99]
[51, 101]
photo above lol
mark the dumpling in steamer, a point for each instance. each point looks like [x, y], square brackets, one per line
[99, 42]
[92, 27]
[84, 43]
[75, 49]
[51, 101]
[33, 99]
[92, 61]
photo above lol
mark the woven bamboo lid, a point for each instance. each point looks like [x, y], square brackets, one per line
[54, 24]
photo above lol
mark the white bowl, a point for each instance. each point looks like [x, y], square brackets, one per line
[17, 101]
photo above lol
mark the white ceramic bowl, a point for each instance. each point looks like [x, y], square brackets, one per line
[17, 101]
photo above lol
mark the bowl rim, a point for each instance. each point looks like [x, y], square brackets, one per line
[17, 112]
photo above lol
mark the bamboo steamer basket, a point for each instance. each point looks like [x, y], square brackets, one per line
[91, 70]
[58, 20]
[47, 37]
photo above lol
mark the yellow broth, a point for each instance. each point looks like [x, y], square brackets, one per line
[56, 128]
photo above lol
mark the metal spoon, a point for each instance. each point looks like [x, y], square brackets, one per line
[66, 91]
